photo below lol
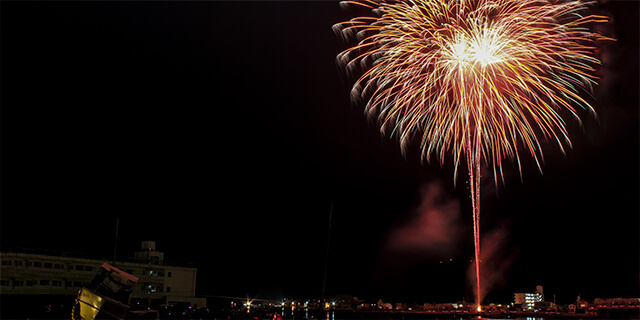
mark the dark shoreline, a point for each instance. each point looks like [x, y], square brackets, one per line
[58, 307]
[602, 313]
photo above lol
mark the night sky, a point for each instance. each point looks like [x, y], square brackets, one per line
[224, 131]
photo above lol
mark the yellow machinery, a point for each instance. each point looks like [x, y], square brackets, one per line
[106, 297]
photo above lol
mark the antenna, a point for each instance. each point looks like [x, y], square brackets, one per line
[115, 245]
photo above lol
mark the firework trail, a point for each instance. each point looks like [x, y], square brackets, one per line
[481, 78]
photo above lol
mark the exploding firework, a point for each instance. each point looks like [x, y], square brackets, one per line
[481, 78]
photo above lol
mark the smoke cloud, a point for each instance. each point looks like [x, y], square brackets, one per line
[434, 226]
[495, 262]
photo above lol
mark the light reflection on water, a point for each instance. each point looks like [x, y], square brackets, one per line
[332, 316]
[516, 318]
[460, 318]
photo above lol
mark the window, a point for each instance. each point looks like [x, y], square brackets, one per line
[169, 288]
[6, 262]
[169, 274]
[4, 283]
[30, 283]
[88, 268]
[56, 283]
[158, 273]
[48, 265]
[58, 266]
[18, 283]
[44, 282]
[67, 284]
[79, 267]
[37, 264]
[153, 288]
[17, 262]
[77, 284]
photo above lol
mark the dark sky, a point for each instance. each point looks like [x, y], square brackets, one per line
[224, 131]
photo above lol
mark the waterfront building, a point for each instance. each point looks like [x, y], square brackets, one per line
[46, 273]
[527, 301]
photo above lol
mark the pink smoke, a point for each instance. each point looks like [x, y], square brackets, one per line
[434, 227]
[495, 262]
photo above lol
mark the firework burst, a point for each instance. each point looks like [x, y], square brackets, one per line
[482, 80]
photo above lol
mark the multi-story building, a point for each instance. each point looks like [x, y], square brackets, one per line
[527, 301]
[50, 274]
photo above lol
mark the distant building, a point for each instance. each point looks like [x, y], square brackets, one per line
[582, 304]
[616, 302]
[545, 306]
[539, 292]
[444, 307]
[527, 301]
[149, 253]
[61, 274]
[383, 305]
[428, 306]
[345, 302]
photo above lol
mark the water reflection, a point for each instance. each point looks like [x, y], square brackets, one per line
[331, 315]
[494, 318]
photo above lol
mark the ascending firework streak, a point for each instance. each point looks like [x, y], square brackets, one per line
[483, 78]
